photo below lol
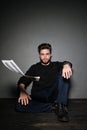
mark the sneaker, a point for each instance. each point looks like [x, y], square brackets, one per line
[62, 112]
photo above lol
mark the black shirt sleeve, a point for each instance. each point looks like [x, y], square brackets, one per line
[25, 80]
[67, 62]
[61, 64]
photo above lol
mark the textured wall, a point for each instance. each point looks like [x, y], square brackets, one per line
[24, 25]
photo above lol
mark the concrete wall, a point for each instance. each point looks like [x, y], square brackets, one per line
[24, 25]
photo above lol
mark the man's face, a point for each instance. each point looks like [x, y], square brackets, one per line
[45, 56]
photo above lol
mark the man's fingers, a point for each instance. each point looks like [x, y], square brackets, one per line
[22, 102]
[67, 74]
[67, 71]
[63, 74]
[27, 101]
[19, 100]
[24, 99]
[29, 97]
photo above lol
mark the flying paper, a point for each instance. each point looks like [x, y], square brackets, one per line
[11, 65]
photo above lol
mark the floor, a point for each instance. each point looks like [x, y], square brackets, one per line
[12, 120]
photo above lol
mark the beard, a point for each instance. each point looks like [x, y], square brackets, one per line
[45, 63]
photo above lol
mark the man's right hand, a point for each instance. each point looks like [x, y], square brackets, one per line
[24, 98]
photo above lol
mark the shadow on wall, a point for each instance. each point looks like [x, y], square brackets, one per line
[71, 87]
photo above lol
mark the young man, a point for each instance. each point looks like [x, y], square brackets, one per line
[51, 89]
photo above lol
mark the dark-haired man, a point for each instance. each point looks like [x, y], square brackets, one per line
[51, 89]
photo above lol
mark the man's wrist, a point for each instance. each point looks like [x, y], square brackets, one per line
[67, 63]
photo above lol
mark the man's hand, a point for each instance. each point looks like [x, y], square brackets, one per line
[66, 71]
[24, 98]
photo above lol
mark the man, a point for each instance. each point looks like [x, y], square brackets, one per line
[52, 88]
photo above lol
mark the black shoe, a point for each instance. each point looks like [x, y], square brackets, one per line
[62, 112]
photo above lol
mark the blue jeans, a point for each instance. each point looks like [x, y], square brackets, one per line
[36, 106]
[63, 90]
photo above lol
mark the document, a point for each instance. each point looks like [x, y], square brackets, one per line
[11, 65]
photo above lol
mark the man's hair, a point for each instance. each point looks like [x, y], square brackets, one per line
[44, 46]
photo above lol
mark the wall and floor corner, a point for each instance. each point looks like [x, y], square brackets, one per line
[24, 25]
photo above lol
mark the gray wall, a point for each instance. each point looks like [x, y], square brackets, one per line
[24, 25]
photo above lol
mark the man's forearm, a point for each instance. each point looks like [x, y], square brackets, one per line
[21, 88]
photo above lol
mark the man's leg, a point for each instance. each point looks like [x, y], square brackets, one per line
[34, 106]
[39, 103]
[62, 98]
[63, 90]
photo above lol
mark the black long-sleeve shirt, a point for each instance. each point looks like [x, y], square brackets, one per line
[46, 88]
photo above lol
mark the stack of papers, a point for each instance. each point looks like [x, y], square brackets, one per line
[11, 65]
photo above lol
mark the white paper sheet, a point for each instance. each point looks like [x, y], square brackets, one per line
[11, 65]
